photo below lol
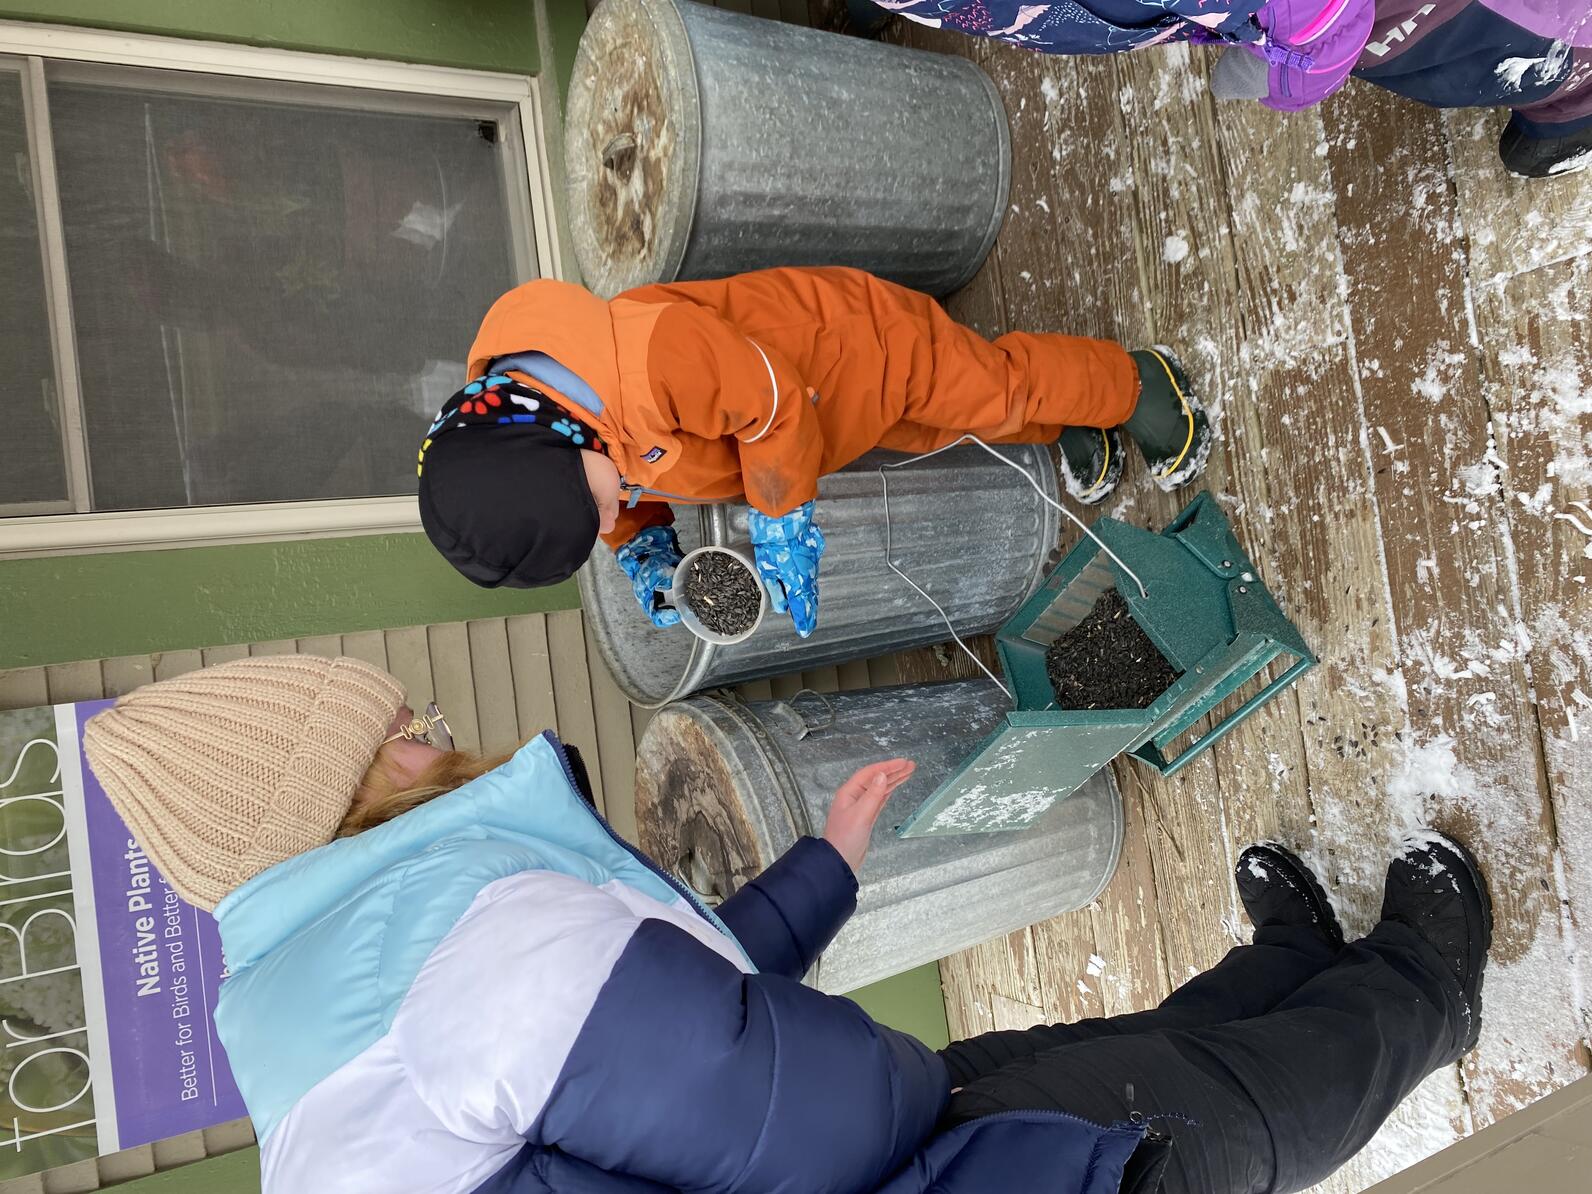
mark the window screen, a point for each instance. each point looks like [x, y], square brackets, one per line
[273, 286]
[35, 466]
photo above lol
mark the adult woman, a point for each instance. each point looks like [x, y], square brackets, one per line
[486, 991]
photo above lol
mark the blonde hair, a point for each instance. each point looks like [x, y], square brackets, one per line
[386, 792]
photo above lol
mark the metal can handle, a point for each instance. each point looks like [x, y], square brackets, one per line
[802, 727]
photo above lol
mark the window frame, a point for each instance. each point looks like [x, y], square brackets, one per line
[517, 102]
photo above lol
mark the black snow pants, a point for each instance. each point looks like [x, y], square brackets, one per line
[1268, 1071]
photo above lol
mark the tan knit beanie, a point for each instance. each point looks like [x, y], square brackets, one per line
[225, 772]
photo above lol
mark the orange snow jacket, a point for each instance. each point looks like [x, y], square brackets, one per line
[759, 384]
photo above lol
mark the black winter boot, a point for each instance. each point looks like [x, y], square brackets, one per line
[1278, 887]
[1169, 424]
[1530, 156]
[1091, 462]
[1436, 888]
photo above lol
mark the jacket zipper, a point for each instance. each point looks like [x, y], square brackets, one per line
[636, 491]
[1124, 1125]
[674, 884]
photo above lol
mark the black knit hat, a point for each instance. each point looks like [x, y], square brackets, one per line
[503, 492]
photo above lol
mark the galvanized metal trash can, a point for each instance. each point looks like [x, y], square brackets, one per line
[700, 143]
[723, 788]
[966, 527]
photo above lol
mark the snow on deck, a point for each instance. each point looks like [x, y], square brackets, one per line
[1394, 335]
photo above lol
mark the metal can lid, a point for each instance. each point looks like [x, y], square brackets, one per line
[710, 805]
[632, 145]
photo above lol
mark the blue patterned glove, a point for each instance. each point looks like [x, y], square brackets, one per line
[787, 550]
[649, 560]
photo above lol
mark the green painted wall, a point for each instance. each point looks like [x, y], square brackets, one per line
[235, 1173]
[80, 607]
[61, 608]
[486, 34]
[912, 1002]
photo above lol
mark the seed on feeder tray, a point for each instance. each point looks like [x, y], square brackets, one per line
[1107, 661]
[722, 593]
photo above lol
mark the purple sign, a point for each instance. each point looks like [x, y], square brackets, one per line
[160, 968]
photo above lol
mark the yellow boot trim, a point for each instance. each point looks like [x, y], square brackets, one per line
[1187, 413]
[1105, 466]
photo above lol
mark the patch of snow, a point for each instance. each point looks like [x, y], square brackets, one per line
[1511, 72]
[1427, 769]
[1573, 164]
[1175, 249]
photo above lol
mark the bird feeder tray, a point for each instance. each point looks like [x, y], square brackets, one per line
[1206, 611]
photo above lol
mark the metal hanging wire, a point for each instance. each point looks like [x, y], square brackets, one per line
[884, 480]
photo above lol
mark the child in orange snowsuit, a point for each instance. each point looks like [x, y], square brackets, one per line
[754, 386]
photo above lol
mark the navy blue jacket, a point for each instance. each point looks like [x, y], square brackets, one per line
[493, 994]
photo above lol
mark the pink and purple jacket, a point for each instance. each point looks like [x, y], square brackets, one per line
[1534, 56]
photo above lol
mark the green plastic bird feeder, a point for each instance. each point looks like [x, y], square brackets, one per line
[1205, 610]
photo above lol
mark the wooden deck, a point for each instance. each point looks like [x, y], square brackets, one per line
[1395, 337]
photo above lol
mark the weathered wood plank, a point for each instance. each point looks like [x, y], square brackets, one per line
[785, 687]
[755, 690]
[1132, 182]
[822, 679]
[409, 661]
[1537, 360]
[533, 675]
[1234, 294]
[226, 654]
[366, 645]
[577, 723]
[23, 688]
[327, 645]
[453, 675]
[639, 720]
[127, 672]
[615, 743]
[884, 671]
[228, 1137]
[126, 1165]
[1126, 918]
[1513, 224]
[169, 664]
[491, 666]
[853, 676]
[179, 1150]
[1069, 968]
[68, 682]
[281, 646]
[77, 1178]
[1472, 756]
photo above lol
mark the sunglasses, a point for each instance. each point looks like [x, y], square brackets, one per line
[429, 727]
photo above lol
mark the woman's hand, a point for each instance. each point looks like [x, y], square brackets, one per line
[857, 806]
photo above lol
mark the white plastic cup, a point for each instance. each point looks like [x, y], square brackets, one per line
[688, 618]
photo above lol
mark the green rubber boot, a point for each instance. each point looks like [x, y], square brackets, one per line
[1091, 462]
[1169, 424]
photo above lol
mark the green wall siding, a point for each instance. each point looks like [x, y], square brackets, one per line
[486, 34]
[80, 607]
[62, 608]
